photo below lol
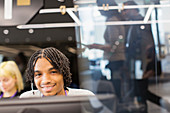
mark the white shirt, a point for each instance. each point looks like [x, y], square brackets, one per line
[71, 92]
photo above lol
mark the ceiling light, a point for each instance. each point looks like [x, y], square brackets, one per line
[8, 9]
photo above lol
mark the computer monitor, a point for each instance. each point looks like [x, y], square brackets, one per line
[58, 104]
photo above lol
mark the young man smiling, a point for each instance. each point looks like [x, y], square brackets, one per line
[50, 71]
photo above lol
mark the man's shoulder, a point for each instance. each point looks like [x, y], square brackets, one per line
[79, 92]
[32, 93]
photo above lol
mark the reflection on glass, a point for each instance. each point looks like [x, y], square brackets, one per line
[136, 46]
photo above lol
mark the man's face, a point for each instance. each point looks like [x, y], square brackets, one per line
[47, 79]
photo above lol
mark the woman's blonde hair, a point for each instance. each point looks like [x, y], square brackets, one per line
[10, 68]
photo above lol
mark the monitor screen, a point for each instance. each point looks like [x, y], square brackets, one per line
[59, 104]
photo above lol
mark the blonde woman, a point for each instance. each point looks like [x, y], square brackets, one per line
[11, 83]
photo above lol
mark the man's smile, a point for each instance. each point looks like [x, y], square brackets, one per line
[48, 88]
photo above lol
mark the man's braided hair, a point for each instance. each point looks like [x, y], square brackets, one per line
[57, 59]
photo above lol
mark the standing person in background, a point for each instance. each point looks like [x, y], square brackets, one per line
[138, 37]
[113, 48]
[141, 57]
[50, 71]
[11, 83]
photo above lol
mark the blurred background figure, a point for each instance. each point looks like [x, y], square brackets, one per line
[11, 83]
[140, 58]
[5, 59]
[113, 48]
[21, 61]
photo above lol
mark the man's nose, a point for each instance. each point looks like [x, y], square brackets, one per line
[46, 78]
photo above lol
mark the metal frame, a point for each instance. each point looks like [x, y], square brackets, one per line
[77, 22]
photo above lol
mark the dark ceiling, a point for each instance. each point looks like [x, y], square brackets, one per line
[22, 40]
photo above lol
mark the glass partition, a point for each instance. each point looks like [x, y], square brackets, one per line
[124, 51]
[118, 49]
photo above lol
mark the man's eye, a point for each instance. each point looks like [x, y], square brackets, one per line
[37, 75]
[54, 72]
